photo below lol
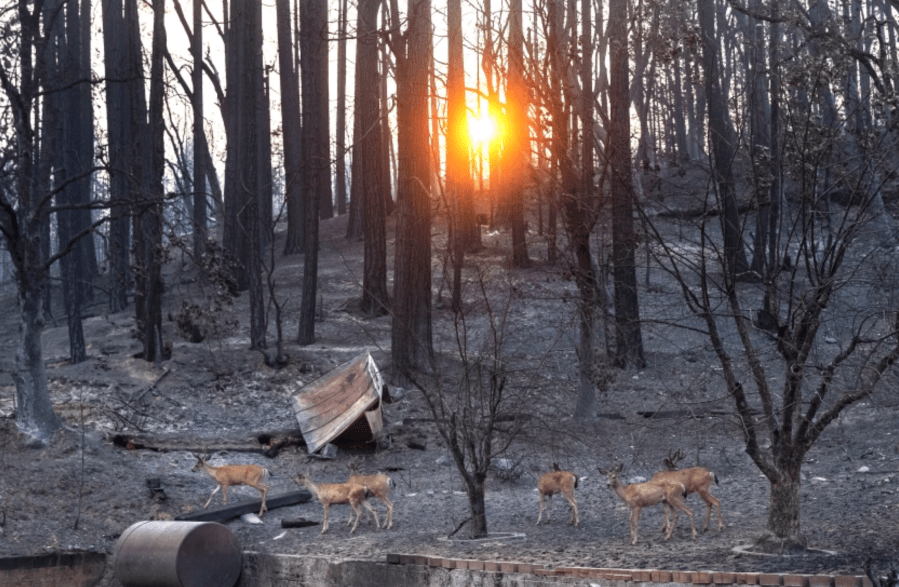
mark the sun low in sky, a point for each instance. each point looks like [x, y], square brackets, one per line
[482, 129]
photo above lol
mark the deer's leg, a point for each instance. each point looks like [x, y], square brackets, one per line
[326, 507]
[389, 512]
[635, 524]
[540, 514]
[374, 514]
[358, 513]
[680, 505]
[710, 501]
[263, 489]
[211, 495]
[574, 517]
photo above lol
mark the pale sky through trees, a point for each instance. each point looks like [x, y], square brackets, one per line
[214, 49]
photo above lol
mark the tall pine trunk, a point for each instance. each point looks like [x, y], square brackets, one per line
[367, 158]
[314, 49]
[411, 335]
[292, 137]
[628, 335]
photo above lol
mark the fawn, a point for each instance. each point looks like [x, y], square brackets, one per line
[334, 493]
[379, 484]
[640, 495]
[557, 481]
[695, 480]
[228, 475]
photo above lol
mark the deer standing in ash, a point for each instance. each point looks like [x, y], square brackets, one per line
[230, 475]
[379, 484]
[557, 481]
[640, 495]
[695, 480]
[329, 494]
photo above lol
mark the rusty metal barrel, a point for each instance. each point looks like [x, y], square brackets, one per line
[177, 554]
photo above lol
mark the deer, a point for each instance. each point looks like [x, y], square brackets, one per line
[379, 484]
[230, 475]
[557, 481]
[640, 495]
[695, 480]
[329, 494]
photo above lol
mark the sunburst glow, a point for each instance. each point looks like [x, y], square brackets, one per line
[481, 129]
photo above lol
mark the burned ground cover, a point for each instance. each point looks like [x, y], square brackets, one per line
[83, 490]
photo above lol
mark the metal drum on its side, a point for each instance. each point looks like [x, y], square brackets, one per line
[177, 554]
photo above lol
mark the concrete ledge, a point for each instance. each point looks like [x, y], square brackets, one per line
[412, 570]
[84, 569]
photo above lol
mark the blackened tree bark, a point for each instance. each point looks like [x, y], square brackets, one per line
[20, 227]
[321, 160]
[722, 145]
[354, 222]
[388, 153]
[81, 130]
[314, 63]
[235, 241]
[199, 193]
[411, 335]
[118, 128]
[679, 112]
[367, 149]
[71, 177]
[517, 148]
[265, 193]
[628, 334]
[458, 144]
[290, 120]
[257, 169]
[151, 214]
[760, 146]
[340, 130]
[135, 89]
[48, 143]
[581, 215]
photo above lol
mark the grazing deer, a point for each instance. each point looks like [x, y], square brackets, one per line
[641, 495]
[379, 484]
[335, 493]
[557, 481]
[228, 475]
[695, 480]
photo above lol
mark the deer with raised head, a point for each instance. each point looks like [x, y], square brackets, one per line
[230, 475]
[557, 481]
[379, 484]
[329, 494]
[695, 480]
[640, 495]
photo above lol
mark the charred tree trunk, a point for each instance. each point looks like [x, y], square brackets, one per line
[314, 50]
[292, 136]
[199, 195]
[118, 125]
[151, 217]
[477, 507]
[722, 145]
[368, 151]
[518, 145]
[411, 337]
[21, 233]
[628, 334]
[340, 139]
